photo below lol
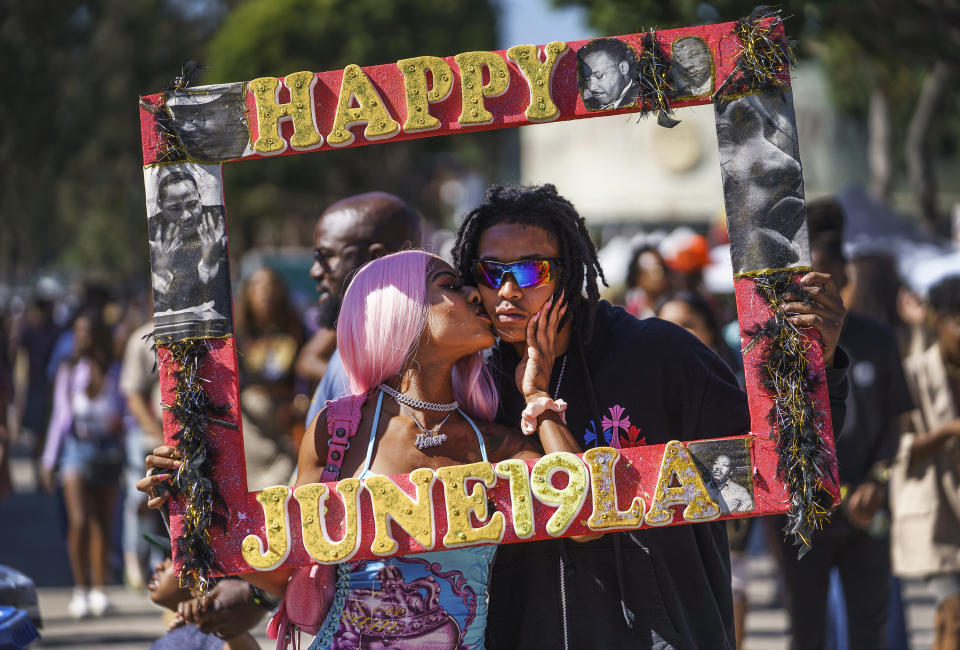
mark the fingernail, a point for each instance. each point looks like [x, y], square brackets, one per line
[161, 477]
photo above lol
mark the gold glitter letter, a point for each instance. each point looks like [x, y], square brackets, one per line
[570, 498]
[392, 503]
[691, 491]
[313, 523]
[520, 499]
[418, 97]
[539, 76]
[266, 95]
[472, 88]
[356, 85]
[602, 462]
[274, 501]
[459, 505]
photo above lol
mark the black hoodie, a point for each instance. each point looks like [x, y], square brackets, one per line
[649, 588]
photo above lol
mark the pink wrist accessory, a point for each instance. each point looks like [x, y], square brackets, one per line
[530, 415]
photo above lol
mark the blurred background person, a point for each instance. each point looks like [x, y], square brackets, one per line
[349, 233]
[873, 290]
[856, 540]
[6, 397]
[84, 447]
[94, 298]
[648, 281]
[268, 337]
[140, 386]
[925, 484]
[692, 311]
[33, 346]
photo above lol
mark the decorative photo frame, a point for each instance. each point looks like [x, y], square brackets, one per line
[222, 528]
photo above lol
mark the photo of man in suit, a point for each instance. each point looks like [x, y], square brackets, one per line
[727, 493]
[188, 256]
[607, 74]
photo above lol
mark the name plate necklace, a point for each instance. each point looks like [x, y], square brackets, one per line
[427, 437]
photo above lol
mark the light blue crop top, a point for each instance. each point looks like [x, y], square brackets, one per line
[431, 600]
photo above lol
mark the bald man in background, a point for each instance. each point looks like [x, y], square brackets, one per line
[350, 233]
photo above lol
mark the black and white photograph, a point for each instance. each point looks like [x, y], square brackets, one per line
[691, 67]
[607, 74]
[188, 251]
[762, 182]
[727, 472]
[209, 121]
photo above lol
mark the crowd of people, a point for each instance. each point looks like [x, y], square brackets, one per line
[524, 282]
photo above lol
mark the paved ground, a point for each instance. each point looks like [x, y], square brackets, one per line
[33, 543]
[768, 623]
[136, 623]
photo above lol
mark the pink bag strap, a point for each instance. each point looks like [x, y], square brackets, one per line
[343, 419]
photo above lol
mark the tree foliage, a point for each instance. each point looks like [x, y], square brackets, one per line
[277, 37]
[70, 146]
[890, 46]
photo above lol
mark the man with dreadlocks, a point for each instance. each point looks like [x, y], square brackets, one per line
[626, 382]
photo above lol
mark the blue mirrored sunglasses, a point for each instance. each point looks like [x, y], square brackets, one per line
[526, 273]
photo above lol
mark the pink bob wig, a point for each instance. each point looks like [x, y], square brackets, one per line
[381, 320]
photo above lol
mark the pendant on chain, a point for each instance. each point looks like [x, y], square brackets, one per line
[425, 441]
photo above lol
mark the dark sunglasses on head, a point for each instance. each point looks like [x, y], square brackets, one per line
[527, 273]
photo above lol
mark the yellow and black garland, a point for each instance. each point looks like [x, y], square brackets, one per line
[654, 76]
[203, 506]
[170, 148]
[804, 463]
[764, 57]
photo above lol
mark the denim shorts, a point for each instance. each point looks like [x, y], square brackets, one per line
[96, 461]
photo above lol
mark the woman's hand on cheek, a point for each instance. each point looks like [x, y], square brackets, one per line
[533, 371]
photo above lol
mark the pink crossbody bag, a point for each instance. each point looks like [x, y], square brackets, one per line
[310, 590]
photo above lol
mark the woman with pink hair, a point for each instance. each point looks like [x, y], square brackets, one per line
[411, 338]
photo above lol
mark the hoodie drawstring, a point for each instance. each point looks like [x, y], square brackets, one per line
[629, 617]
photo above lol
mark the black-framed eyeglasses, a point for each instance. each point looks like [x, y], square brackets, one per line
[527, 273]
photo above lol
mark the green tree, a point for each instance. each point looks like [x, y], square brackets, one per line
[70, 144]
[894, 62]
[277, 37]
